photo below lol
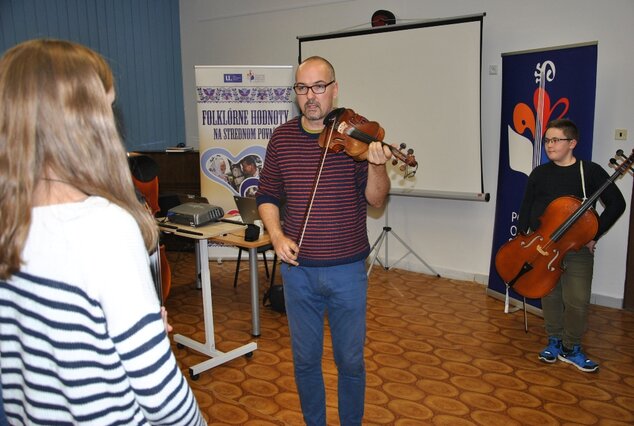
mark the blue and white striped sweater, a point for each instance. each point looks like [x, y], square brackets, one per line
[86, 345]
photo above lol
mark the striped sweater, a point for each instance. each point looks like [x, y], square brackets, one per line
[336, 232]
[81, 337]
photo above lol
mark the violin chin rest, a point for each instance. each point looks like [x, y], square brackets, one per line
[333, 115]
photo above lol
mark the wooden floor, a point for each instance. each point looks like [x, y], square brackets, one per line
[438, 352]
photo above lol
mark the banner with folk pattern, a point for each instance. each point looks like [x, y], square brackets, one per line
[238, 108]
[537, 86]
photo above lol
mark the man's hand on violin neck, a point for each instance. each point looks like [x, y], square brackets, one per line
[378, 153]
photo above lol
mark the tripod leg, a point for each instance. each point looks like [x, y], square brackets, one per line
[377, 245]
[417, 256]
[378, 241]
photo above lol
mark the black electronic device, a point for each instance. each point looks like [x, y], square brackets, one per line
[252, 233]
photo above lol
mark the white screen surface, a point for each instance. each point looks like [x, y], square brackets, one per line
[421, 83]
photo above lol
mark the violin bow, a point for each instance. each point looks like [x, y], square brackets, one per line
[330, 118]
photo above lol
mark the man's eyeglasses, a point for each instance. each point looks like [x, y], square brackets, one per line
[317, 89]
[555, 140]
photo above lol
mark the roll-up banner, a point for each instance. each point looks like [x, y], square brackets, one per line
[537, 86]
[238, 109]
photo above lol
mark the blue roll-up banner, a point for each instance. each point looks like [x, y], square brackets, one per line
[537, 86]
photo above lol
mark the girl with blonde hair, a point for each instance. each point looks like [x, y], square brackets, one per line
[82, 339]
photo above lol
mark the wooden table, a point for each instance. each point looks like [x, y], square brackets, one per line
[236, 238]
[208, 347]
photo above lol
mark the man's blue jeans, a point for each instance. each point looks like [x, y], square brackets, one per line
[341, 292]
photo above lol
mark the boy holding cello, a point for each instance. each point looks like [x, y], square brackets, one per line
[565, 309]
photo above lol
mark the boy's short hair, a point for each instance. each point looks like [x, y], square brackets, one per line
[565, 125]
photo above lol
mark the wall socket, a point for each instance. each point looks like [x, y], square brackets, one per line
[620, 134]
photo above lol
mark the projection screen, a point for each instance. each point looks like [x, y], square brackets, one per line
[421, 83]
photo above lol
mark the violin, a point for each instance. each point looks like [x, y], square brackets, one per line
[531, 264]
[352, 133]
[347, 131]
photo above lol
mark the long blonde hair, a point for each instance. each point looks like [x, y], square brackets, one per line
[55, 117]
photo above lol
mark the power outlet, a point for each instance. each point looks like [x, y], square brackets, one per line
[620, 134]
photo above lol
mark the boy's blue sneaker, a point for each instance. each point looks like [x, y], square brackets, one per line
[552, 351]
[578, 359]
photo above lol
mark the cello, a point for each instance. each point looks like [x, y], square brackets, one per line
[530, 263]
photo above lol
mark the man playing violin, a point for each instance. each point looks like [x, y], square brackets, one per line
[323, 257]
[565, 309]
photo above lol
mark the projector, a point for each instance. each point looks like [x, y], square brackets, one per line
[195, 214]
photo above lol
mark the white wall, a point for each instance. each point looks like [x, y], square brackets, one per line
[454, 237]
